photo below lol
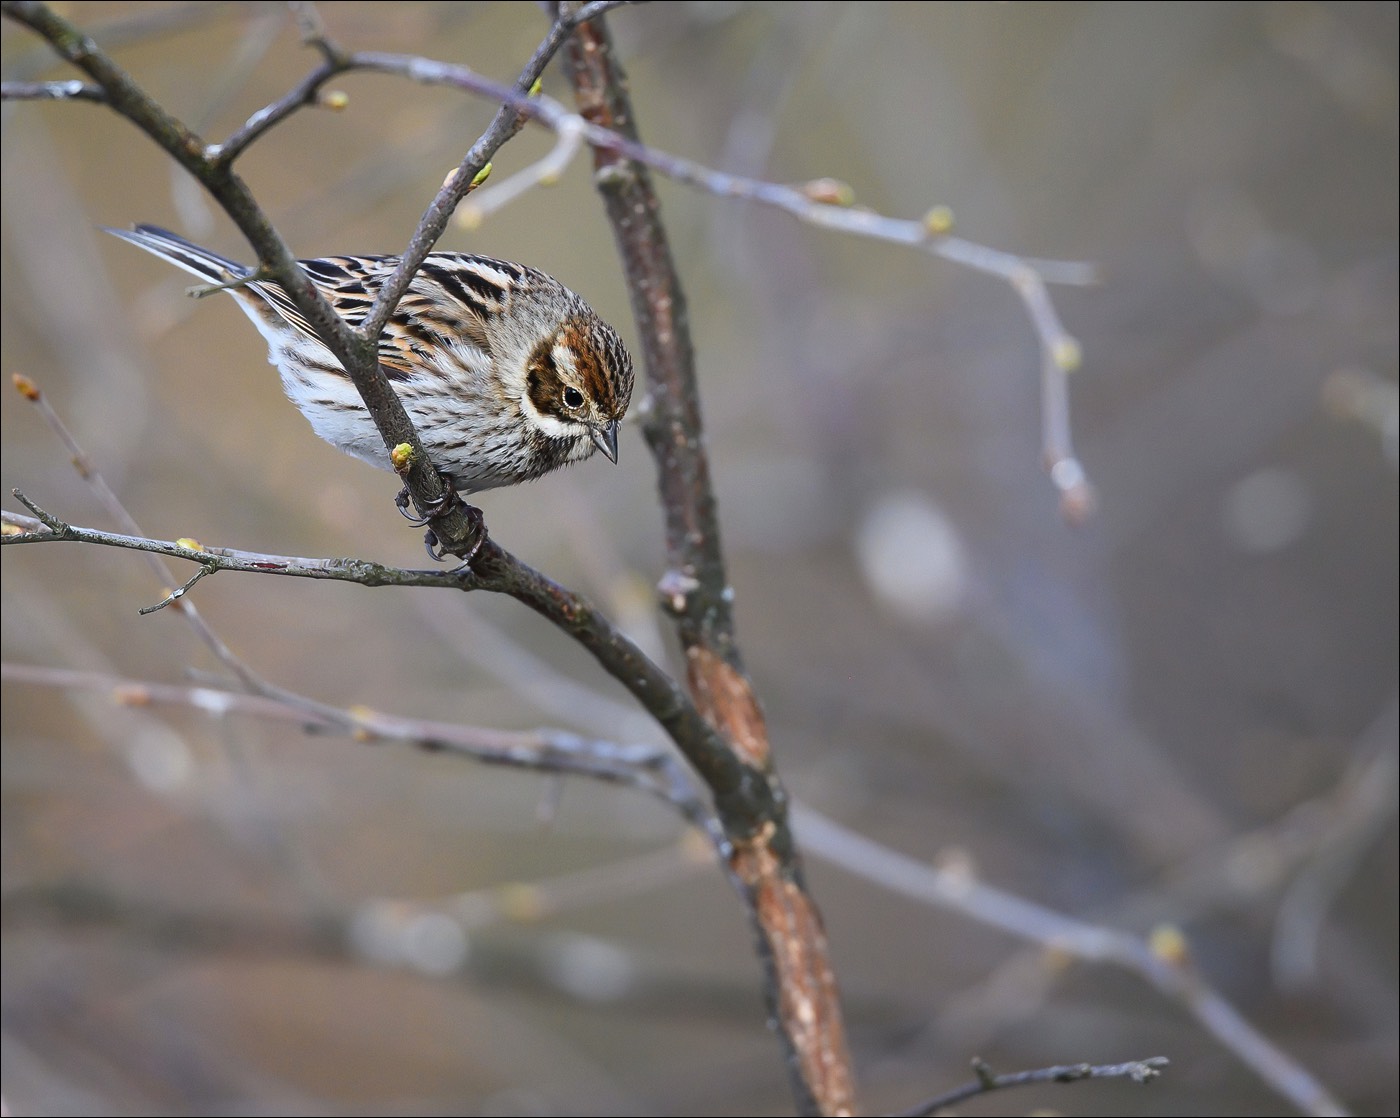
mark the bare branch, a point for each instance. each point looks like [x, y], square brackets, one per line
[643, 767]
[1164, 959]
[803, 1000]
[1139, 1071]
[109, 500]
[507, 122]
[46, 528]
[495, 570]
[51, 91]
[304, 93]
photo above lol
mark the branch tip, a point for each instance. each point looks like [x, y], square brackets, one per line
[50, 522]
[173, 598]
[1145, 1071]
[26, 387]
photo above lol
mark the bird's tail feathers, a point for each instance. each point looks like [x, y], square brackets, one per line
[208, 266]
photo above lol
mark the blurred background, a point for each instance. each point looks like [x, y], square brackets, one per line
[1182, 713]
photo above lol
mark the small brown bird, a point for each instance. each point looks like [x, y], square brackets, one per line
[505, 372]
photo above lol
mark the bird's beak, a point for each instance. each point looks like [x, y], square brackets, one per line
[605, 439]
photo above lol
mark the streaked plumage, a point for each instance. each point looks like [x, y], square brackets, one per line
[506, 373]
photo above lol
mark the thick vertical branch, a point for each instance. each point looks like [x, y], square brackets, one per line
[803, 996]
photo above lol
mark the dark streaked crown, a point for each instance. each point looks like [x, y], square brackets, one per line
[582, 373]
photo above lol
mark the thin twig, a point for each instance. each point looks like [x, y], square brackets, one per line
[543, 172]
[43, 527]
[107, 497]
[801, 200]
[51, 91]
[1139, 1071]
[507, 122]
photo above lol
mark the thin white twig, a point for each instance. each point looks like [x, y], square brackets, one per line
[107, 497]
[545, 171]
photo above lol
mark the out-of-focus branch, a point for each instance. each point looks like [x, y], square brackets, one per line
[51, 91]
[1284, 856]
[1164, 959]
[644, 767]
[89, 472]
[803, 998]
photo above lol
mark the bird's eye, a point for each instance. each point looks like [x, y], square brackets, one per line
[573, 398]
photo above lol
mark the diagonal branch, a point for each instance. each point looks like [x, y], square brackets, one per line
[494, 570]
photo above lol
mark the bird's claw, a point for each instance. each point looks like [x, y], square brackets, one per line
[432, 511]
[448, 503]
[478, 534]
